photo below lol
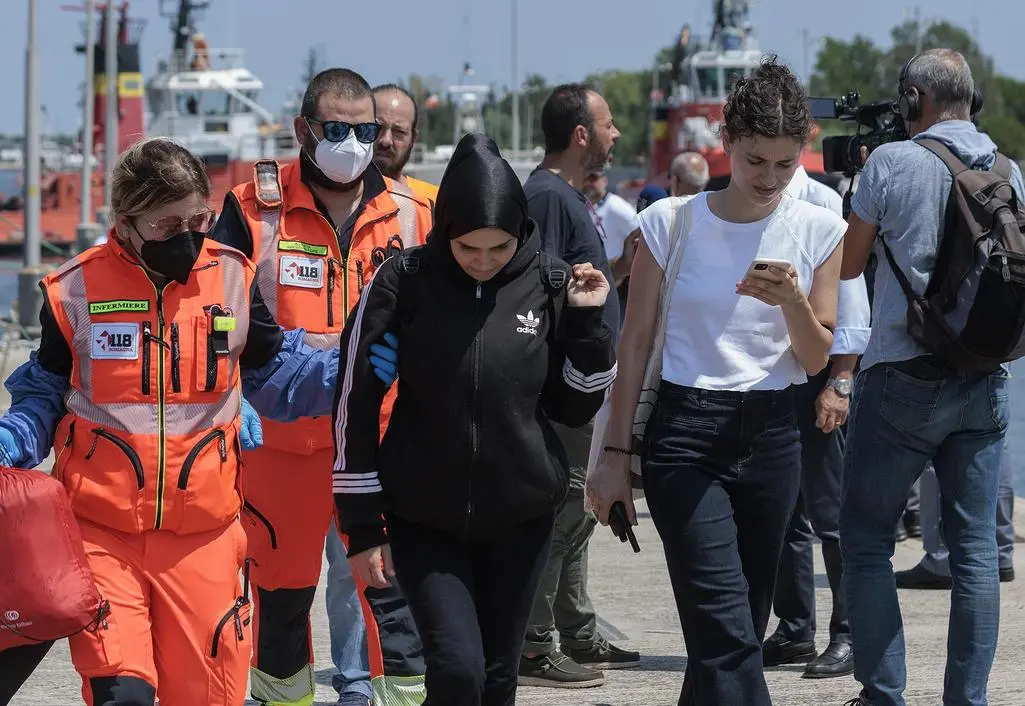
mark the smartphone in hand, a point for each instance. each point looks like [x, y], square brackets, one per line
[760, 264]
[619, 523]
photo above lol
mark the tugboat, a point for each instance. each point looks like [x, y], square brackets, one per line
[203, 97]
[687, 109]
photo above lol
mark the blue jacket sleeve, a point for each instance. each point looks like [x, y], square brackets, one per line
[37, 406]
[298, 381]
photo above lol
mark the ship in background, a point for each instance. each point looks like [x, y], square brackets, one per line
[206, 99]
[687, 102]
[203, 97]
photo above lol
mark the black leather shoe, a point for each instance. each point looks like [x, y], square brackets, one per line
[900, 534]
[836, 661]
[1007, 575]
[913, 523]
[777, 650]
[921, 578]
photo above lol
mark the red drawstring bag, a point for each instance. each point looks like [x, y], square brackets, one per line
[47, 590]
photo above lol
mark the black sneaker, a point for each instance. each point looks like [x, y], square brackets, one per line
[1007, 574]
[558, 671]
[604, 655]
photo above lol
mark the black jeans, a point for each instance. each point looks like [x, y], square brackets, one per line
[471, 601]
[17, 665]
[817, 514]
[721, 475]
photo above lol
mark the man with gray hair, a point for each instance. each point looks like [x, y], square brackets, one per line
[910, 407]
[688, 174]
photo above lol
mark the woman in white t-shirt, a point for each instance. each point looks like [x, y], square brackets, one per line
[721, 459]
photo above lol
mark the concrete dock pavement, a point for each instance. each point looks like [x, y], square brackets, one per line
[631, 593]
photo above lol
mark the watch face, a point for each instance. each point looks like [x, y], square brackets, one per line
[842, 385]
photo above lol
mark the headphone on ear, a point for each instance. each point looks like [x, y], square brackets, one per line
[908, 103]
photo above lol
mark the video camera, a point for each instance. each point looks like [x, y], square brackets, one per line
[842, 153]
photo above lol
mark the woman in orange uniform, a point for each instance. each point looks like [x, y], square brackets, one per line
[147, 344]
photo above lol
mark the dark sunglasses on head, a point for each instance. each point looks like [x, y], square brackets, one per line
[338, 130]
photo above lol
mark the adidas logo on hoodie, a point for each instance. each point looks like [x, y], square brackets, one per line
[530, 323]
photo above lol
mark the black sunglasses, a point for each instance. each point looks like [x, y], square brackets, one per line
[338, 130]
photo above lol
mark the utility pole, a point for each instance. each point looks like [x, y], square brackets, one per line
[806, 37]
[515, 85]
[29, 295]
[110, 64]
[87, 230]
[918, 30]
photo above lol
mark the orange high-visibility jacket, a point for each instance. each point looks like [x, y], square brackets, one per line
[304, 278]
[150, 440]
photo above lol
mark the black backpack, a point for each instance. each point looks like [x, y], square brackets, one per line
[972, 314]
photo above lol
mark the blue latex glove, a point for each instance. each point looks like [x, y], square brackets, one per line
[385, 359]
[10, 449]
[251, 434]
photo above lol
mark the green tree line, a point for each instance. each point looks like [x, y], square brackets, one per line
[841, 66]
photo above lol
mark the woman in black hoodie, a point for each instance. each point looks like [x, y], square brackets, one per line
[496, 339]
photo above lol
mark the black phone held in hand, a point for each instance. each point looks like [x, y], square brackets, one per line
[619, 523]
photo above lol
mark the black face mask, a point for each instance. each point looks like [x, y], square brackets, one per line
[174, 257]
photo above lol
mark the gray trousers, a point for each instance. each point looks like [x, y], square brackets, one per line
[561, 602]
[936, 557]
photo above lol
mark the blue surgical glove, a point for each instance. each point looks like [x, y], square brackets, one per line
[385, 359]
[251, 433]
[10, 449]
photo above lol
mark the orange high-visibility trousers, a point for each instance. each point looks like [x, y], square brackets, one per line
[288, 510]
[178, 627]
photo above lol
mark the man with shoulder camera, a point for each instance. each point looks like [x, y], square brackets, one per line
[911, 404]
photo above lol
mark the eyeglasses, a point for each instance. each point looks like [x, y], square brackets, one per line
[172, 225]
[338, 130]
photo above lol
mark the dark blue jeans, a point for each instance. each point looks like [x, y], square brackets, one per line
[903, 415]
[817, 514]
[721, 475]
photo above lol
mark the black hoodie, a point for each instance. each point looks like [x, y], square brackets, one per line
[482, 369]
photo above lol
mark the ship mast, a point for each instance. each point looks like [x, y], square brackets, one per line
[182, 23]
[732, 24]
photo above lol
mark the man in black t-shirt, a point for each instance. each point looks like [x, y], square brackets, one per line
[579, 138]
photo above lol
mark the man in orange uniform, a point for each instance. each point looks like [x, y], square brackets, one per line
[397, 113]
[318, 229]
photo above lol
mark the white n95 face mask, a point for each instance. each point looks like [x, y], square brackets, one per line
[343, 162]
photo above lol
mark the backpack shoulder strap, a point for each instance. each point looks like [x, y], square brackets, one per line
[554, 276]
[955, 165]
[1003, 166]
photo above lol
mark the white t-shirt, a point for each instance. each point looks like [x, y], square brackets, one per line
[615, 219]
[715, 338]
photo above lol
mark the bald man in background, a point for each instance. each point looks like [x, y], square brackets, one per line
[688, 174]
[398, 115]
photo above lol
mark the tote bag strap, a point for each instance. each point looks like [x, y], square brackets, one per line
[678, 235]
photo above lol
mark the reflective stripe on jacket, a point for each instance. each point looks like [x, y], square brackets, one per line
[150, 440]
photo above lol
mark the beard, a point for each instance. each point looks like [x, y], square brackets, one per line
[596, 158]
[391, 163]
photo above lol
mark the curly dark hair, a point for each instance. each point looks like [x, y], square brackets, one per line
[769, 103]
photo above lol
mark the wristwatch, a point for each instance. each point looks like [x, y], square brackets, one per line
[842, 386]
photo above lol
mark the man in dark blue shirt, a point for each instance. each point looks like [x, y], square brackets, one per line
[579, 138]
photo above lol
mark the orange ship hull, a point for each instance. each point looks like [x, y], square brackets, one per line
[61, 203]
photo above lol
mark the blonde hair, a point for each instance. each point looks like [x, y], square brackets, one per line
[153, 173]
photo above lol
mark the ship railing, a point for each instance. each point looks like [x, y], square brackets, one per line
[440, 154]
[216, 59]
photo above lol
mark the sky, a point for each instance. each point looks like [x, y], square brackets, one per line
[562, 40]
